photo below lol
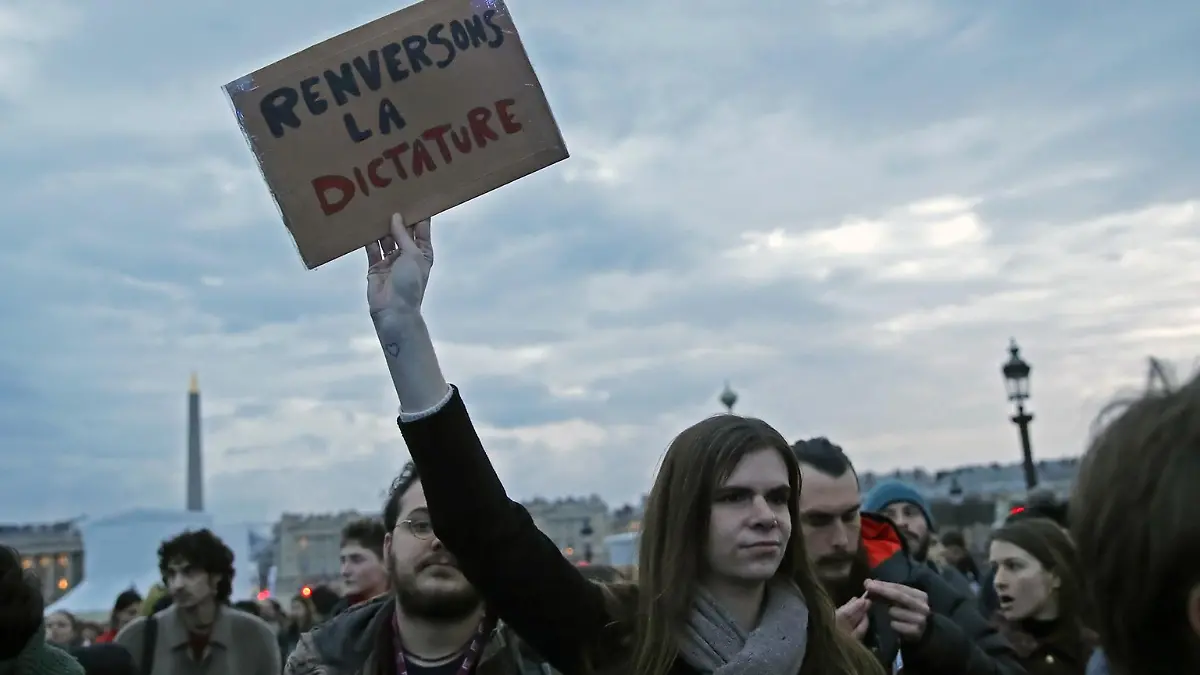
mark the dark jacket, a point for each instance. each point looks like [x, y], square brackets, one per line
[1057, 652]
[577, 625]
[958, 640]
[105, 659]
[351, 644]
[951, 575]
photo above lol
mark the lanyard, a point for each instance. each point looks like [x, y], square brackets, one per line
[472, 654]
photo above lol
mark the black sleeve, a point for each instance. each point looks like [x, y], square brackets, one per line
[958, 638]
[520, 573]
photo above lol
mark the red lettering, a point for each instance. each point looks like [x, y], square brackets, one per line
[373, 174]
[461, 140]
[334, 192]
[508, 123]
[478, 121]
[362, 181]
[323, 184]
[421, 159]
[393, 153]
[438, 135]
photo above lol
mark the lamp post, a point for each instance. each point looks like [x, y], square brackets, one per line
[1016, 380]
[956, 500]
[586, 532]
[728, 398]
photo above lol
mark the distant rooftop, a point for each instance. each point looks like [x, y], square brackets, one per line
[980, 479]
[38, 528]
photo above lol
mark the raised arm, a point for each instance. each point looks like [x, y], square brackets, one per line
[520, 573]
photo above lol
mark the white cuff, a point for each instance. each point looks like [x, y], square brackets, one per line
[406, 417]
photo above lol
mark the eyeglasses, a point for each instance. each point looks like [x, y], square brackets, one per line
[420, 528]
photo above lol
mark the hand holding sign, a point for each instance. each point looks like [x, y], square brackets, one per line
[396, 280]
[398, 271]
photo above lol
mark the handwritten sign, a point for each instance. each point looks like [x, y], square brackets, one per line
[416, 112]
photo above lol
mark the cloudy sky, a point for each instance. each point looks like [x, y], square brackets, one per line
[845, 207]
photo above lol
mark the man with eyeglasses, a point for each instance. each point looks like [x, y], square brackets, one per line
[433, 622]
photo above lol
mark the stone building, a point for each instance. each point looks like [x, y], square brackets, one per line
[577, 525]
[308, 550]
[54, 551]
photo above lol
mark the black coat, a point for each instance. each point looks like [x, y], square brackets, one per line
[959, 640]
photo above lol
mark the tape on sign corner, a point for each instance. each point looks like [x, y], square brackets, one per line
[241, 85]
[497, 5]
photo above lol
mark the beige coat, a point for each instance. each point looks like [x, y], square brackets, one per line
[240, 644]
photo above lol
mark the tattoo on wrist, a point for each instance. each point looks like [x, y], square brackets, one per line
[392, 348]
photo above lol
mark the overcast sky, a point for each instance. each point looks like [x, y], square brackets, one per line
[845, 207]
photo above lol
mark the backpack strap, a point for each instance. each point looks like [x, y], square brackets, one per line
[149, 642]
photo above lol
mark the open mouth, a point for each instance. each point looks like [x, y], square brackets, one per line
[1005, 600]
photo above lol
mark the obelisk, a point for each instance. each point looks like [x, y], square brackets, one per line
[195, 467]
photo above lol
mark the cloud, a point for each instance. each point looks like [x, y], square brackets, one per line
[845, 208]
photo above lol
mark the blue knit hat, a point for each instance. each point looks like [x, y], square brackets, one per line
[890, 492]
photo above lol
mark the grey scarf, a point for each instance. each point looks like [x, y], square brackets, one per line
[712, 642]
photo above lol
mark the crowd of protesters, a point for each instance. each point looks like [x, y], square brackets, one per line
[758, 556]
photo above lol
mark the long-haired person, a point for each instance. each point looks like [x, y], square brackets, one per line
[1038, 584]
[723, 586]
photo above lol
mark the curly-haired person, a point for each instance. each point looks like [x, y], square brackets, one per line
[23, 647]
[200, 634]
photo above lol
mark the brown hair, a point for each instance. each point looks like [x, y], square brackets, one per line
[671, 553]
[1045, 540]
[367, 533]
[1133, 520]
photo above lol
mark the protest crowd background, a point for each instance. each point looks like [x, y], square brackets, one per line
[749, 553]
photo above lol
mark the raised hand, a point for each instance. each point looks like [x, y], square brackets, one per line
[398, 271]
[908, 608]
[396, 281]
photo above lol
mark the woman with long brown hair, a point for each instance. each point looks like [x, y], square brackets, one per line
[1037, 581]
[723, 585]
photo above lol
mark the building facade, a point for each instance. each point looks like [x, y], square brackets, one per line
[308, 550]
[53, 551]
[578, 526]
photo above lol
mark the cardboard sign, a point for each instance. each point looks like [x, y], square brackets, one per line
[416, 112]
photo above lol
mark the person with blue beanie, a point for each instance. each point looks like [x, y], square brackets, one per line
[909, 510]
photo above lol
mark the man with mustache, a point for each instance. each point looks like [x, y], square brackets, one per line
[909, 511]
[431, 623]
[910, 618]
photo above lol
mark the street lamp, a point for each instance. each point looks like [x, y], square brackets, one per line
[956, 500]
[1016, 380]
[728, 398]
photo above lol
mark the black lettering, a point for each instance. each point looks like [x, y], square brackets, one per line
[342, 84]
[393, 154]
[438, 135]
[278, 109]
[461, 140]
[498, 34]
[357, 135]
[312, 97]
[458, 33]
[389, 117]
[414, 49]
[421, 158]
[391, 61]
[476, 30]
[435, 38]
[369, 70]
